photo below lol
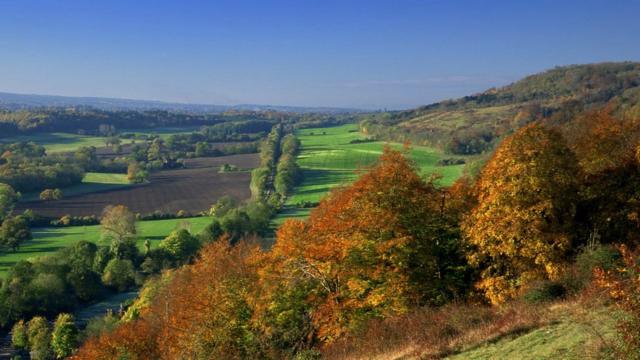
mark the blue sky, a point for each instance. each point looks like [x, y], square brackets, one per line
[347, 53]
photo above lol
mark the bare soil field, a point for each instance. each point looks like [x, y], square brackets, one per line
[192, 189]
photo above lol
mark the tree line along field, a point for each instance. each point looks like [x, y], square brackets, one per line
[334, 156]
[59, 142]
[49, 239]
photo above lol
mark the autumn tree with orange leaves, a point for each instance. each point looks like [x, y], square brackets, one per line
[135, 340]
[520, 231]
[373, 249]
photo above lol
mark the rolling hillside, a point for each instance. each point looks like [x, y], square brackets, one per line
[473, 124]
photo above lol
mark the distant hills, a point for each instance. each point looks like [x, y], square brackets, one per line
[12, 101]
[475, 123]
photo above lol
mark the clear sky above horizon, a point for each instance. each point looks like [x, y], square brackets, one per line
[345, 53]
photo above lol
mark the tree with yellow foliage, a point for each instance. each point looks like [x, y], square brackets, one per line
[520, 230]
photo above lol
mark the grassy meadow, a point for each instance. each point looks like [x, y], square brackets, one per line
[50, 239]
[328, 158]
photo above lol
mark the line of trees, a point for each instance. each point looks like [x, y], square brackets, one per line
[287, 171]
[262, 177]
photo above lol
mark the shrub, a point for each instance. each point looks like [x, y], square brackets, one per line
[119, 274]
[590, 258]
[622, 284]
[544, 291]
[99, 325]
[19, 337]
[51, 194]
[597, 256]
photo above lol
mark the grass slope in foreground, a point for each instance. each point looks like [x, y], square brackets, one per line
[47, 240]
[570, 336]
[329, 157]
[92, 182]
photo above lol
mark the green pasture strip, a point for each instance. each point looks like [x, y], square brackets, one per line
[60, 142]
[50, 239]
[329, 159]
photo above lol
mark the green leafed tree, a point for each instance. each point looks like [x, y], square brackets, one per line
[8, 199]
[64, 338]
[181, 245]
[19, 338]
[13, 232]
[39, 338]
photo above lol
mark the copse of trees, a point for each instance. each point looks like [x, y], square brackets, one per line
[45, 342]
[51, 194]
[25, 167]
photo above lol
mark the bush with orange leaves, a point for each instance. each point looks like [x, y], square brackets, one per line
[623, 286]
[135, 340]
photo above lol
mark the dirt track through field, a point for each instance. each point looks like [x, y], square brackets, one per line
[192, 189]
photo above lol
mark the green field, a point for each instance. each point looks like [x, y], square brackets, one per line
[328, 159]
[61, 142]
[92, 182]
[48, 240]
